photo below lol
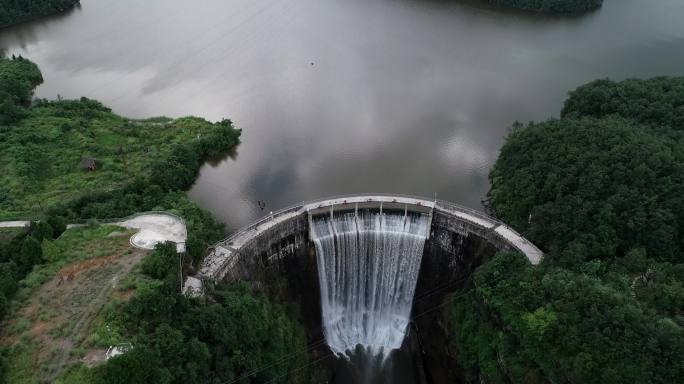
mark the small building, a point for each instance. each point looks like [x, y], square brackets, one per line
[88, 164]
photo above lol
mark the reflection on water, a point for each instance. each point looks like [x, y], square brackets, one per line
[344, 96]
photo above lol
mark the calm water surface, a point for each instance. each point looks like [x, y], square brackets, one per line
[344, 96]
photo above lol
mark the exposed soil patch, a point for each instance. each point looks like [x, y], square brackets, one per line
[93, 357]
[124, 295]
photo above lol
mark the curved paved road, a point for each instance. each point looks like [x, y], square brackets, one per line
[154, 228]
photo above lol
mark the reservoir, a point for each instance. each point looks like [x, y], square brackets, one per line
[344, 96]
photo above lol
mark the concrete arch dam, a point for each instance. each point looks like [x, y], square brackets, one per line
[359, 261]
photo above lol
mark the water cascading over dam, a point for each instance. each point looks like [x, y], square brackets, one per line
[368, 266]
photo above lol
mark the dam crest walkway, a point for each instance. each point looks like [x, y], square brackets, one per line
[225, 253]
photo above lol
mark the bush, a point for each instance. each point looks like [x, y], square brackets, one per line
[58, 225]
[8, 279]
[162, 262]
[41, 230]
[31, 254]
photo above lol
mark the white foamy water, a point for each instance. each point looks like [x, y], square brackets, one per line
[368, 268]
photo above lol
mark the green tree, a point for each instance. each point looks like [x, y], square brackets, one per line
[162, 262]
[8, 279]
[58, 225]
[41, 230]
[31, 254]
[141, 365]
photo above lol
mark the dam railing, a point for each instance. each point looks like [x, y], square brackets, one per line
[301, 207]
[483, 219]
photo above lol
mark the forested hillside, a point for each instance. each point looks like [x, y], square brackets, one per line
[43, 147]
[16, 11]
[138, 166]
[551, 6]
[601, 191]
[236, 335]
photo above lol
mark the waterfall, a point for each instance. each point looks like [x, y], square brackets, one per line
[368, 267]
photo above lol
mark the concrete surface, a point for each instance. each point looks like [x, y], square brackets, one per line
[155, 228]
[14, 224]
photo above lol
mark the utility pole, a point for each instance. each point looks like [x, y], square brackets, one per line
[123, 159]
[180, 269]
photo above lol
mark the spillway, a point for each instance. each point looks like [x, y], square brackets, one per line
[368, 265]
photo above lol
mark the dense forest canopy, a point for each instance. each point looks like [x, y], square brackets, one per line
[657, 102]
[605, 179]
[236, 336]
[16, 11]
[551, 6]
[593, 188]
[600, 190]
[607, 323]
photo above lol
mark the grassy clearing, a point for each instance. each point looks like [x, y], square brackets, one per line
[58, 327]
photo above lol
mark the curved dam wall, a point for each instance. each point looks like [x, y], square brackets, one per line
[277, 255]
[251, 251]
